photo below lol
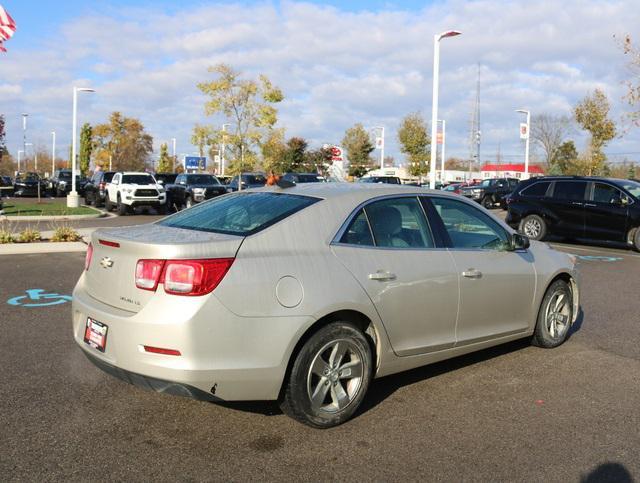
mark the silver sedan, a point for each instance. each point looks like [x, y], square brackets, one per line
[305, 294]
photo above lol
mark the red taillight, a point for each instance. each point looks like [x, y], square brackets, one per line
[88, 257]
[160, 350]
[148, 274]
[182, 277]
[108, 243]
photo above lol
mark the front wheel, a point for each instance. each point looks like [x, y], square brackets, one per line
[330, 376]
[122, 208]
[487, 202]
[534, 227]
[634, 238]
[555, 316]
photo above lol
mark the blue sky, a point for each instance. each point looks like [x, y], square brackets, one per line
[338, 63]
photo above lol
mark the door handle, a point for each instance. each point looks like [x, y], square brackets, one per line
[472, 273]
[590, 204]
[576, 203]
[382, 276]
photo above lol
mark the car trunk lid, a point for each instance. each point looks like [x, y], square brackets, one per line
[116, 251]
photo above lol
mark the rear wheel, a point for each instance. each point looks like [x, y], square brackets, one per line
[633, 238]
[534, 227]
[108, 205]
[555, 316]
[330, 376]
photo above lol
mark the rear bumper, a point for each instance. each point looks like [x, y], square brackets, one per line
[228, 357]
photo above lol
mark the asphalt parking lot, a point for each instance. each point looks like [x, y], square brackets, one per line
[510, 413]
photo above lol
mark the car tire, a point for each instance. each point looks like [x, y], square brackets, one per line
[316, 372]
[636, 239]
[162, 209]
[555, 316]
[487, 202]
[188, 202]
[121, 207]
[534, 227]
[87, 200]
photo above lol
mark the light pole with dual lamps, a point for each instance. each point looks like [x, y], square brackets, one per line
[526, 143]
[434, 108]
[73, 200]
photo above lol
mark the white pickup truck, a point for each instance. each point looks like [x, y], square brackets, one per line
[128, 190]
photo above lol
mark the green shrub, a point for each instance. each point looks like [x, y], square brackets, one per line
[6, 237]
[65, 234]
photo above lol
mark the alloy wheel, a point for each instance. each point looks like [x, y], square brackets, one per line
[532, 228]
[558, 314]
[335, 376]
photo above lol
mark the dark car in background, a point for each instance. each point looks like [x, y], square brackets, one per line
[166, 178]
[190, 189]
[299, 178]
[490, 192]
[60, 183]
[594, 208]
[26, 184]
[380, 179]
[249, 180]
[96, 188]
[6, 186]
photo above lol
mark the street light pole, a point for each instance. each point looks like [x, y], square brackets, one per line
[20, 151]
[24, 138]
[442, 160]
[434, 108]
[173, 161]
[526, 144]
[53, 152]
[223, 148]
[73, 200]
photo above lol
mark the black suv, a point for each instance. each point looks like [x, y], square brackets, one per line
[380, 179]
[577, 207]
[26, 184]
[490, 191]
[190, 189]
[60, 183]
[299, 178]
[95, 190]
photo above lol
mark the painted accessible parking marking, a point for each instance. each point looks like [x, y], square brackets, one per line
[37, 297]
[599, 255]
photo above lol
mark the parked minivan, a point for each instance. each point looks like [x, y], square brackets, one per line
[577, 207]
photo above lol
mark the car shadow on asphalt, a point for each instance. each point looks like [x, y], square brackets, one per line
[384, 387]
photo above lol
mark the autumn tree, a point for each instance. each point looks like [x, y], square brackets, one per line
[456, 164]
[415, 143]
[592, 115]
[633, 84]
[548, 132]
[272, 149]
[249, 105]
[201, 136]
[125, 140]
[317, 160]
[86, 146]
[165, 161]
[358, 145]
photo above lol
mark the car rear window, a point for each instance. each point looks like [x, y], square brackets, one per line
[137, 179]
[239, 213]
[536, 189]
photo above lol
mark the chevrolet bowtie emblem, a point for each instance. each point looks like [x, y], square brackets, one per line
[106, 262]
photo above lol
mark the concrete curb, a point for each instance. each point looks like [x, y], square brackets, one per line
[43, 247]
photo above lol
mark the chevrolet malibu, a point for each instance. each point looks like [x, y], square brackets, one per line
[305, 294]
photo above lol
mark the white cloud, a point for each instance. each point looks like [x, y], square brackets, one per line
[336, 68]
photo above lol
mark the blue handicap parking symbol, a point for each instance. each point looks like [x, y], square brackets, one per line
[36, 297]
[597, 258]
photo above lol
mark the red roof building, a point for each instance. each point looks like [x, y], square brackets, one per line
[513, 170]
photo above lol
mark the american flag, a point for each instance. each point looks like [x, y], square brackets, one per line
[7, 27]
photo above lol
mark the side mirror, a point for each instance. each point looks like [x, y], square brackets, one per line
[161, 181]
[519, 242]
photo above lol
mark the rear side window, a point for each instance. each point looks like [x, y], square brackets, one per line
[358, 232]
[536, 189]
[240, 213]
[570, 190]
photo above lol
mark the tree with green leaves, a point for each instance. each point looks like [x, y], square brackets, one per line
[564, 158]
[165, 161]
[415, 143]
[317, 160]
[247, 104]
[592, 115]
[201, 136]
[86, 146]
[358, 145]
[632, 172]
[293, 156]
[125, 140]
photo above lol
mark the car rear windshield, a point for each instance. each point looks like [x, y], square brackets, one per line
[138, 179]
[239, 213]
[202, 179]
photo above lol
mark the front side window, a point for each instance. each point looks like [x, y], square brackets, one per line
[605, 193]
[570, 190]
[241, 214]
[468, 227]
